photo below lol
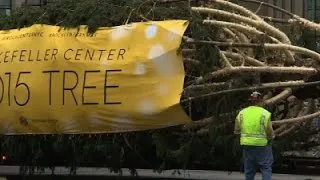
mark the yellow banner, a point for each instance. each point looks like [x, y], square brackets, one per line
[124, 78]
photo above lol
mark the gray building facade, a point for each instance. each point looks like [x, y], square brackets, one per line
[309, 9]
[293, 6]
[303, 8]
[6, 6]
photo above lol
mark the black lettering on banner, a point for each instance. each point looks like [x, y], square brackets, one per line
[111, 54]
[109, 86]
[54, 53]
[2, 89]
[66, 53]
[88, 54]
[6, 56]
[46, 54]
[121, 53]
[50, 83]
[78, 54]
[29, 59]
[13, 55]
[9, 85]
[38, 59]
[22, 54]
[88, 87]
[69, 89]
[22, 85]
[101, 51]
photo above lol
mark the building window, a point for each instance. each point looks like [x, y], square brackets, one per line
[36, 2]
[312, 13]
[312, 10]
[5, 7]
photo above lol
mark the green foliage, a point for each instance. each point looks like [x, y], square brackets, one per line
[159, 149]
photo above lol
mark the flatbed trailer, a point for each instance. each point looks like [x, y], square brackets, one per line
[13, 172]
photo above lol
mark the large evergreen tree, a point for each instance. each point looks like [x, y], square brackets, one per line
[207, 143]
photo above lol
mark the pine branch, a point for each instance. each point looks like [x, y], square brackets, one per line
[239, 8]
[304, 111]
[297, 119]
[283, 128]
[280, 129]
[261, 69]
[170, 1]
[266, 26]
[278, 20]
[231, 34]
[225, 60]
[281, 96]
[205, 86]
[202, 132]
[286, 131]
[248, 59]
[255, 45]
[249, 31]
[268, 95]
[244, 39]
[263, 86]
[188, 52]
[296, 109]
[255, 23]
[197, 124]
[239, 27]
[192, 61]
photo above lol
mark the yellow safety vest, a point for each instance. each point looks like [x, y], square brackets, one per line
[253, 123]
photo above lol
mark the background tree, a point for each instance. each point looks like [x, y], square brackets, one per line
[228, 52]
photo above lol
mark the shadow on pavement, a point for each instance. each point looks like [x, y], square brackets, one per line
[80, 178]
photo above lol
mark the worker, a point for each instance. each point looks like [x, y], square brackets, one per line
[254, 126]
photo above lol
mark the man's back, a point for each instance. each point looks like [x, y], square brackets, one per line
[251, 117]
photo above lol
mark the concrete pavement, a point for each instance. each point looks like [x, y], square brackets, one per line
[146, 173]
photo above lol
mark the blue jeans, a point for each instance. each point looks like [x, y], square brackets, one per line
[261, 156]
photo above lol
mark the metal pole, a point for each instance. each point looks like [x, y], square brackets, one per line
[315, 20]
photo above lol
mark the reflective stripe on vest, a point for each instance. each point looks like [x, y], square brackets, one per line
[262, 133]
